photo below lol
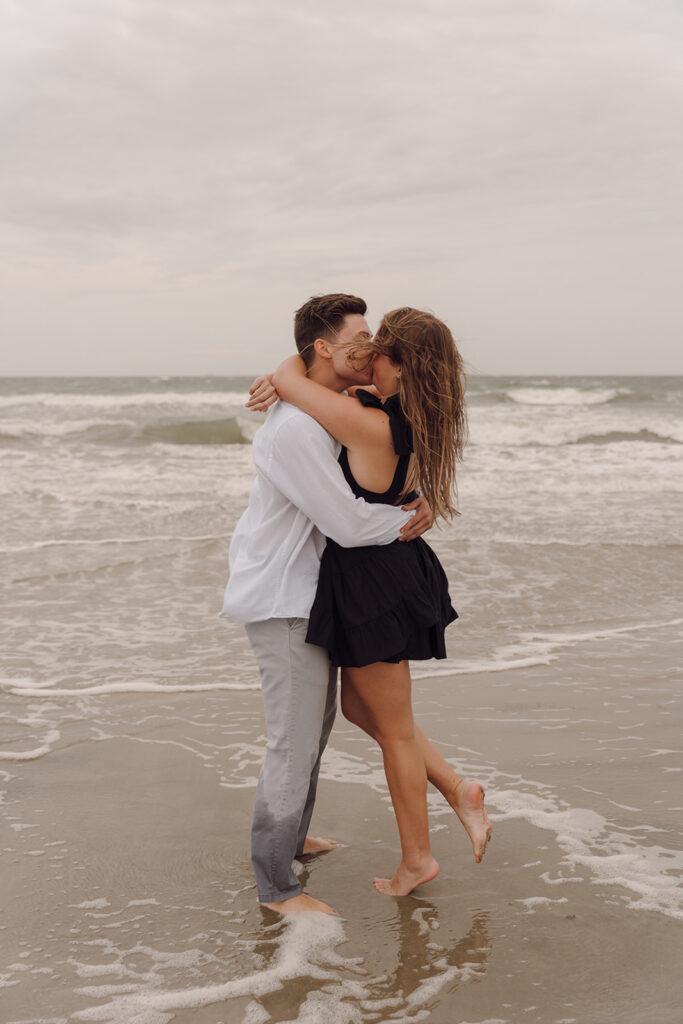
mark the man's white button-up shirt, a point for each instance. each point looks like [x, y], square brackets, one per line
[299, 497]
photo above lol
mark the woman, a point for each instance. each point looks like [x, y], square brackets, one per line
[376, 608]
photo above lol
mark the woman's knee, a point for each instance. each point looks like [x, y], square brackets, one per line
[394, 734]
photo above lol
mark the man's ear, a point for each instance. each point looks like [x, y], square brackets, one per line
[322, 348]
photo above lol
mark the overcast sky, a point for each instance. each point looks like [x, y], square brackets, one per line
[178, 177]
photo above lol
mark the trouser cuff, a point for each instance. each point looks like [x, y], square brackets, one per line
[278, 897]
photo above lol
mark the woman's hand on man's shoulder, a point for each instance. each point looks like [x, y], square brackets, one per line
[262, 394]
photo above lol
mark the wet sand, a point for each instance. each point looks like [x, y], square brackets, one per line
[128, 892]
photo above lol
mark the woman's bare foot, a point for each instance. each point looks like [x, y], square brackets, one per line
[300, 904]
[314, 844]
[467, 800]
[404, 881]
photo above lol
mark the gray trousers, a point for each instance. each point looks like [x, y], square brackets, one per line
[299, 689]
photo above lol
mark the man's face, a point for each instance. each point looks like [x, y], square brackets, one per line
[353, 332]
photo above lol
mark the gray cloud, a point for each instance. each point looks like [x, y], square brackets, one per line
[207, 156]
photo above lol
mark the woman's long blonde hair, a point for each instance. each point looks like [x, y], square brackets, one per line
[432, 396]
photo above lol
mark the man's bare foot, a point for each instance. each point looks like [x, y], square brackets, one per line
[314, 844]
[300, 904]
[467, 800]
[404, 881]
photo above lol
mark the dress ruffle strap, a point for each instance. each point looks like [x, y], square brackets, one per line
[401, 433]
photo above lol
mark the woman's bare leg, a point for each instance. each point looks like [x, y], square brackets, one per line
[466, 798]
[384, 691]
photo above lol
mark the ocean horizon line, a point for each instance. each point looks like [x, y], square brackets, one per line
[232, 376]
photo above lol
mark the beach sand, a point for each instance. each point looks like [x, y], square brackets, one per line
[129, 897]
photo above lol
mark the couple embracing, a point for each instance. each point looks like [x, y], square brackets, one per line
[328, 571]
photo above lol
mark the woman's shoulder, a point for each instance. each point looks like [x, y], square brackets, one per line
[401, 432]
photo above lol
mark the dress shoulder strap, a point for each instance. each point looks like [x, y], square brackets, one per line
[401, 432]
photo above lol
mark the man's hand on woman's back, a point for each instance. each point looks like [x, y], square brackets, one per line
[422, 521]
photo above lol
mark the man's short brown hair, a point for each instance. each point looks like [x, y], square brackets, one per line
[322, 317]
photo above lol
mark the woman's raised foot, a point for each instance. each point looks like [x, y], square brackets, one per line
[467, 800]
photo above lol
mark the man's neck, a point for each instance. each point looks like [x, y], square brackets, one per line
[322, 373]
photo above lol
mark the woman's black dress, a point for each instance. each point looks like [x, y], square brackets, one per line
[387, 602]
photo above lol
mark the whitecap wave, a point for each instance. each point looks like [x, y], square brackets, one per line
[563, 396]
[550, 427]
[147, 399]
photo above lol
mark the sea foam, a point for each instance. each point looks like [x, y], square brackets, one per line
[592, 846]
[306, 949]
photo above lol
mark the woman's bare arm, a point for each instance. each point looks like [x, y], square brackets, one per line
[342, 416]
[263, 394]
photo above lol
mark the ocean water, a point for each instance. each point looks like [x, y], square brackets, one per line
[132, 727]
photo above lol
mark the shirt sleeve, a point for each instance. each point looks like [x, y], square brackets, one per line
[302, 465]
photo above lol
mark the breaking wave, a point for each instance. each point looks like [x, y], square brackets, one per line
[225, 431]
[126, 432]
[562, 396]
[617, 436]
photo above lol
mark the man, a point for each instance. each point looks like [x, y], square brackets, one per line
[300, 497]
